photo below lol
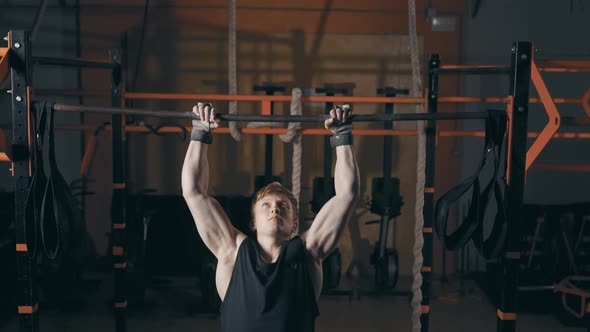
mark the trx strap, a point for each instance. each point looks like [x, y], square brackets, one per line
[472, 226]
[59, 223]
[37, 185]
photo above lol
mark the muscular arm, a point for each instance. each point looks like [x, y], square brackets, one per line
[324, 233]
[212, 223]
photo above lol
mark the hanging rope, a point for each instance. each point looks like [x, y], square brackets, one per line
[146, 7]
[420, 176]
[232, 70]
[38, 18]
[296, 109]
[292, 137]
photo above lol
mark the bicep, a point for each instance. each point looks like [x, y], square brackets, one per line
[213, 225]
[327, 227]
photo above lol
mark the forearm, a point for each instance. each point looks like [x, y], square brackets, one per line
[346, 174]
[195, 170]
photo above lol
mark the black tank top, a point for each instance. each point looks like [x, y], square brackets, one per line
[276, 297]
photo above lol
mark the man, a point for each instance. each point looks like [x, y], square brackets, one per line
[270, 282]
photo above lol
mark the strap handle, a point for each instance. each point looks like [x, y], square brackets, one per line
[472, 225]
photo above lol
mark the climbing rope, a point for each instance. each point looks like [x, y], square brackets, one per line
[416, 91]
[292, 137]
[232, 70]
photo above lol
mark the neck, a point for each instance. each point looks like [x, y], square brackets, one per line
[270, 247]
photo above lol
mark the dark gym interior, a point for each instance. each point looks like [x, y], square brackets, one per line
[423, 250]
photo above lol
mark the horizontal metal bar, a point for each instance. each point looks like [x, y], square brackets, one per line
[564, 63]
[463, 133]
[555, 66]
[461, 99]
[532, 100]
[71, 93]
[558, 100]
[564, 70]
[275, 98]
[316, 131]
[260, 131]
[472, 70]
[535, 288]
[575, 121]
[569, 168]
[274, 118]
[456, 66]
[402, 100]
[564, 66]
[72, 62]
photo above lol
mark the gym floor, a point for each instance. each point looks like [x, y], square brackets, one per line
[175, 308]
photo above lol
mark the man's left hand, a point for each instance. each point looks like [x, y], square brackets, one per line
[339, 122]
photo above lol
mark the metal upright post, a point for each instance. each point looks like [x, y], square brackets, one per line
[119, 199]
[390, 188]
[428, 209]
[519, 90]
[268, 149]
[20, 73]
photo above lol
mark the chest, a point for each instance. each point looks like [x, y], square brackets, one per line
[296, 264]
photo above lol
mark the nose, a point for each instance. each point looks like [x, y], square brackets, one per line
[274, 208]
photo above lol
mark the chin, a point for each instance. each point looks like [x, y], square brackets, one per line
[276, 233]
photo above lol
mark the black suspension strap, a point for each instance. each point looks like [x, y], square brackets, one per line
[37, 185]
[472, 226]
[60, 222]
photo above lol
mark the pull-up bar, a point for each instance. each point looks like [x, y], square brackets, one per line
[274, 118]
[74, 62]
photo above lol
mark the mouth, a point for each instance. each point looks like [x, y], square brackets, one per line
[277, 218]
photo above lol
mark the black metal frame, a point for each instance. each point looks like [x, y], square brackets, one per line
[21, 64]
[428, 209]
[20, 57]
[522, 53]
[119, 198]
[520, 77]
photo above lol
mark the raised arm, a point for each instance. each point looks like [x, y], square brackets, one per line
[212, 223]
[326, 229]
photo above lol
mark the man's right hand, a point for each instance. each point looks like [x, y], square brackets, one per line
[206, 113]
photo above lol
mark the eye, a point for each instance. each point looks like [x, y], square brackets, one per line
[265, 204]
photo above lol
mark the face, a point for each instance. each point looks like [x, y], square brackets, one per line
[274, 215]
